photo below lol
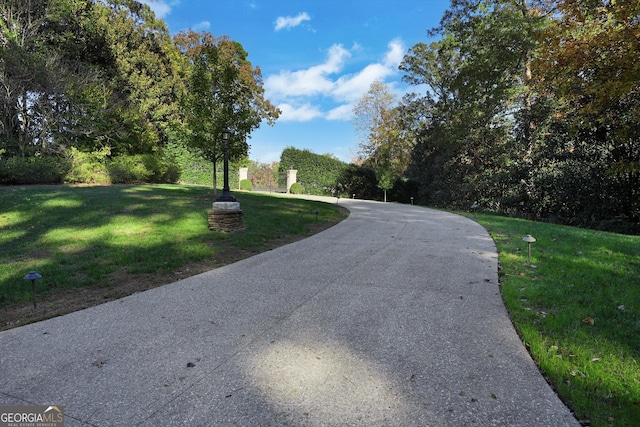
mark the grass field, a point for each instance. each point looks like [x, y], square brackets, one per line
[576, 306]
[93, 244]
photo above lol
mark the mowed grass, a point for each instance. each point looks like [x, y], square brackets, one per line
[92, 237]
[577, 308]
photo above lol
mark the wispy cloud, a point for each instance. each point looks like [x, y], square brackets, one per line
[303, 93]
[289, 22]
[204, 25]
[343, 112]
[161, 8]
[303, 113]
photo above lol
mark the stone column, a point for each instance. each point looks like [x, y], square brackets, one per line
[291, 178]
[243, 173]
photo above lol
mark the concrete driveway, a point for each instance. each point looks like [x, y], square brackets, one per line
[391, 318]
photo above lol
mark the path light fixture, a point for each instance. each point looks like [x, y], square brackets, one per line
[411, 199]
[226, 195]
[33, 276]
[529, 239]
[316, 211]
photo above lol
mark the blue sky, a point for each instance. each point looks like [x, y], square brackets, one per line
[318, 58]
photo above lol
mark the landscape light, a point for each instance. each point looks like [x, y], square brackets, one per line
[529, 239]
[33, 276]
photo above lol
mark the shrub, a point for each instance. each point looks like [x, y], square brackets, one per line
[87, 167]
[32, 170]
[296, 188]
[246, 185]
[128, 169]
[161, 169]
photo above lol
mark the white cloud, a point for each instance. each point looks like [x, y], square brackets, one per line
[301, 92]
[309, 82]
[289, 22]
[343, 112]
[298, 114]
[395, 55]
[161, 8]
[352, 87]
[204, 25]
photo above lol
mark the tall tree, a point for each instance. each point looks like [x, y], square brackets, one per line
[383, 144]
[224, 92]
[475, 75]
[588, 69]
[84, 73]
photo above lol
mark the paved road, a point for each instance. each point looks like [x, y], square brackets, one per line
[391, 318]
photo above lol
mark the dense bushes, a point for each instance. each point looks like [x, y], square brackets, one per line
[32, 170]
[88, 168]
[317, 173]
[359, 181]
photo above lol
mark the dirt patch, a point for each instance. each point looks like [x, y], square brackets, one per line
[58, 302]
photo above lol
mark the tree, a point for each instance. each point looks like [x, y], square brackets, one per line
[475, 76]
[588, 69]
[223, 91]
[85, 74]
[384, 145]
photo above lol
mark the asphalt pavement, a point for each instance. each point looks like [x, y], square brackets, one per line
[393, 317]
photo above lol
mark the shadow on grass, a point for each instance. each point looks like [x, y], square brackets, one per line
[132, 237]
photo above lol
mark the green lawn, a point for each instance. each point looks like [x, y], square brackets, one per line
[108, 236]
[577, 308]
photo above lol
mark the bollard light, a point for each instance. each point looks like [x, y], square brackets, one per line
[529, 239]
[412, 200]
[317, 211]
[33, 276]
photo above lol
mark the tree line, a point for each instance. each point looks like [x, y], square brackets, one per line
[91, 88]
[523, 107]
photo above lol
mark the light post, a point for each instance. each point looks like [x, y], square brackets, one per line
[226, 195]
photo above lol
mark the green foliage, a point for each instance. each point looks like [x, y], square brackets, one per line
[317, 173]
[296, 188]
[246, 185]
[87, 168]
[141, 168]
[85, 75]
[32, 170]
[193, 169]
[359, 180]
[128, 169]
[224, 92]
[523, 115]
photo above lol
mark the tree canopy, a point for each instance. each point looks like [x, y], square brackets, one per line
[105, 76]
[529, 107]
[223, 92]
